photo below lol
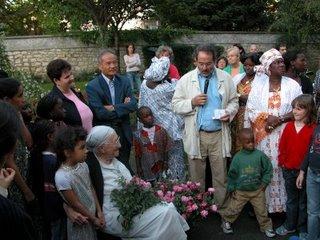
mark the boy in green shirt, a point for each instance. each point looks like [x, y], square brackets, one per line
[249, 175]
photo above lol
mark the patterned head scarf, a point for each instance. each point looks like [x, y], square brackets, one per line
[97, 136]
[158, 69]
[269, 57]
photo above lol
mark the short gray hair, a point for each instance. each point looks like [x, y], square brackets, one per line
[164, 48]
[104, 52]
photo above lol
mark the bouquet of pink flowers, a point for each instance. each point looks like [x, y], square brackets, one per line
[187, 198]
[135, 197]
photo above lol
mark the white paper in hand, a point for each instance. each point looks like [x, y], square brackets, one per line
[218, 113]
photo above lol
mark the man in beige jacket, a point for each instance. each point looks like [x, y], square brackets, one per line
[207, 99]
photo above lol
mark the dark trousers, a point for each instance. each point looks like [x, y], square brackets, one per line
[124, 152]
[296, 202]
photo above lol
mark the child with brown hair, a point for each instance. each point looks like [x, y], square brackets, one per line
[293, 146]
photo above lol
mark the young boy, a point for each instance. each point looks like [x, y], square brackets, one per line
[151, 144]
[249, 175]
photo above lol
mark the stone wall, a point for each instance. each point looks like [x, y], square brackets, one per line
[33, 53]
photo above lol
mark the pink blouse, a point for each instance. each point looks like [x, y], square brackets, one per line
[84, 111]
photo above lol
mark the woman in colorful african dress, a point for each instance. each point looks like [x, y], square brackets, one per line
[156, 92]
[243, 83]
[268, 109]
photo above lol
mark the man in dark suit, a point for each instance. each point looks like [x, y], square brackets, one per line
[110, 99]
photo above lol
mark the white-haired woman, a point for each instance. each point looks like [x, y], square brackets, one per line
[160, 222]
[268, 109]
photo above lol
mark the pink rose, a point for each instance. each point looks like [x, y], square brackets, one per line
[211, 190]
[198, 184]
[177, 188]
[204, 213]
[214, 208]
[160, 193]
[203, 204]
[190, 209]
[146, 185]
[184, 187]
[184, 199]
[194, 206]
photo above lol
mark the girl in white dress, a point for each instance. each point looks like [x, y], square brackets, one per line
[73, 183]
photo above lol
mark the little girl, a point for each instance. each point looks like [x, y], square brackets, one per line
[151, 144]
[42, 170]
[293, 146]
[73, 182]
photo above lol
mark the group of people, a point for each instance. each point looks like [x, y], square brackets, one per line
[257, 110]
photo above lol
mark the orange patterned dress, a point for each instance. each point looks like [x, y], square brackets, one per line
[269, 143]
[237, 125]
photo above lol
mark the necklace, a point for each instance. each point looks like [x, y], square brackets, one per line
[247, 81]
[67, 167]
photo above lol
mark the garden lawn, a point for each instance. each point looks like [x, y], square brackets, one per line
[79, 84]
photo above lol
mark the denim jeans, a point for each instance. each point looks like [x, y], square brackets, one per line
[313, 194]
[59, 229]
[135, 81]
[296, 202]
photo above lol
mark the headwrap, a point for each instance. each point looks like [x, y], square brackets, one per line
[97, 136]
[158, 69]
[266, 59]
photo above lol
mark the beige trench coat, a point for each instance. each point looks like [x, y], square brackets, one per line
[187, 88]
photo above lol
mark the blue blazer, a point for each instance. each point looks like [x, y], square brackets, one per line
[99, 95]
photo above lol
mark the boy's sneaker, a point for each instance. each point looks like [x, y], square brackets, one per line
[270, 233]
[282, 231]
[226, 227]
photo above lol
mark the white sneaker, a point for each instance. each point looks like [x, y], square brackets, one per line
[270, 233]
[226, 227]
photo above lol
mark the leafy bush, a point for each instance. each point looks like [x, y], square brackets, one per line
[32, 88]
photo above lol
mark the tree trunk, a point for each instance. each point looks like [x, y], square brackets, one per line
[116, 44]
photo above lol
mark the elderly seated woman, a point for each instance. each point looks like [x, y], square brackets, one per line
[159, 222]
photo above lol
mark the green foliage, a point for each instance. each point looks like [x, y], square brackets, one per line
[299, 20]
[183, 55]
[32, 88]
[4, 61]
[213, 15]
[20, 17]
[132, 199]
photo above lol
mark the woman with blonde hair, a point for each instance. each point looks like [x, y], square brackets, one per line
[234, 65]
